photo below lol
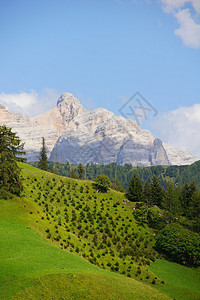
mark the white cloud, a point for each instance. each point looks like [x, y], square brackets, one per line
[22, 100]
[30, 103]
[172, 5]
[180, 128]
[189, 30]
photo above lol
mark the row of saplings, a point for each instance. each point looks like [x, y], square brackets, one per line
[107, 246]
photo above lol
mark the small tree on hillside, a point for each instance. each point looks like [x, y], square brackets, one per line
[146, 195]
[73, 174]
[102, 183]
[171, 200]
[80, 171]
[186, 194]
[157, 192]
[10, 148]
[42, 164]
[134, 191]
[116, 185]
[10, 142]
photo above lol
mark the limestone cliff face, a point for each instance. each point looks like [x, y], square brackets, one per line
[80, 135]
[31, 130]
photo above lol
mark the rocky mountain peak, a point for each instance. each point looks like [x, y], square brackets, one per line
[2, 106]
[69, 107]
[67, 99]
[73, 133]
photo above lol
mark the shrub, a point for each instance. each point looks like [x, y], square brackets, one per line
[102, 183]
[179, 244]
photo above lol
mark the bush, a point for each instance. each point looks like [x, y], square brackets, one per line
[179, 244]
[102, 183]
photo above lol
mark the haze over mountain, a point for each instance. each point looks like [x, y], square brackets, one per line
[73, 133]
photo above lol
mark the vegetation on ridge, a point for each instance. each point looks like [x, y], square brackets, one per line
[10, 148]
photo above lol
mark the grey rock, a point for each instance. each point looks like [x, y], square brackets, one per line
[78, 135]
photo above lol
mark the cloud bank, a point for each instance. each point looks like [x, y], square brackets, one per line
[187, 13]
[180, 128]
[31, 103]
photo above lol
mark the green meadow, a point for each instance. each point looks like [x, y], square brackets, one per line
[62, 240]
[180, 282]
[32, 268]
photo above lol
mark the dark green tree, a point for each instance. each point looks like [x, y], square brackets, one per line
[73, 174]
[42, 164]
[134, 191]
[80, 171]
[102, 183]
[180, 244]
[171, 200]
[186, 194]
[10, 148]
[146, 195]
[157, 192]
[193, 211]
[10, 142]
[116, 185]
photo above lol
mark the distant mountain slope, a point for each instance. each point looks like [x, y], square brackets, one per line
[178, 156]
[80, 135]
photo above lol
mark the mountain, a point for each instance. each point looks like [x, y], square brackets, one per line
[73, 133]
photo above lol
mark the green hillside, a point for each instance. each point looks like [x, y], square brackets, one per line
[97, 226]
[63, 240]
[31, 268]
[180, 282]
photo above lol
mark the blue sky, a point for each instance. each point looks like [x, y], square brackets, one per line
[103, 52]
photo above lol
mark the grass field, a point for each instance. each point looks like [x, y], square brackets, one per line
[46, 233]
[32, 268]
[180, 282]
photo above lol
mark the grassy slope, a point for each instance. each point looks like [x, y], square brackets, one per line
[37, 268]
[181, 282]
[96, 226]
[30, 263]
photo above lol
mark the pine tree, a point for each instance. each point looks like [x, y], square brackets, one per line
[10, 142]
[193, 211]
[102, 183]
[116, 185]
[42, 164]
[157, 192]
[73, 174]
[146, 195]
[134, 191]
[80, 171]
[171, 200]
[185, 196]
[10, 148]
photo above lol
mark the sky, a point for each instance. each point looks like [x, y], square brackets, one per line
[104, 52]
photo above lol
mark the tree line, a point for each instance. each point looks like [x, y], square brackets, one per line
[178, 174]
[174, 213]
[179, 202]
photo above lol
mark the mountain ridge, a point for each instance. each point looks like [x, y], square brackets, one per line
[73, 133]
